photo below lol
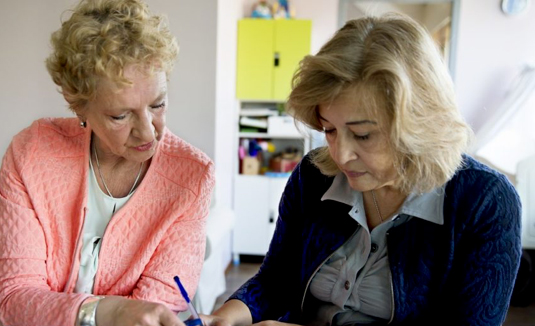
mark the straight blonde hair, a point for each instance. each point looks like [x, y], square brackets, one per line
[397, 59]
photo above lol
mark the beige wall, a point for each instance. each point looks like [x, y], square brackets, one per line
[27, 92]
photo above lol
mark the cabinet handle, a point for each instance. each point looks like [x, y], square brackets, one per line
[271, 218]
[276, 59]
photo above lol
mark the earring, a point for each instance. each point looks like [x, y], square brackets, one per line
[83, 124]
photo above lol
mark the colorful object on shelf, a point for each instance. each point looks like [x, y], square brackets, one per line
[261, 10]
[285, 162]
[254, 148]
[272, 174]
[250, 165]
[241, 152]
[266, 146]
[283, 10]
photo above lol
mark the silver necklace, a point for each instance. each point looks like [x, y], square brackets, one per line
[104, 182]
[377, 206]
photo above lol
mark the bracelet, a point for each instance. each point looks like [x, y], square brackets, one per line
[88, 312]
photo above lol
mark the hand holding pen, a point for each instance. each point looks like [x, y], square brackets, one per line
[195, 320]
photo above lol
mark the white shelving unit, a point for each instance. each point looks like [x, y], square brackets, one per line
[265, 135]
[256, 197]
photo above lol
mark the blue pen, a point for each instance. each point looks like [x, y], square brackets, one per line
[196, 321]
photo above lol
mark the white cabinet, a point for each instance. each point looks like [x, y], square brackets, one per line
[256, 195]
[256, 201]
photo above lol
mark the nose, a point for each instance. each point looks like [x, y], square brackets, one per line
[144, 128]
[344, 150]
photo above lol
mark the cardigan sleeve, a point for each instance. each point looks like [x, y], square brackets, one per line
[181, 252]
[487, 257]
[270, 293]
[25, 296]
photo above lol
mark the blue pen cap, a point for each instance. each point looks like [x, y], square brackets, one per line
[193, 322]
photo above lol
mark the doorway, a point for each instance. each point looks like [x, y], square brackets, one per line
[439, 17]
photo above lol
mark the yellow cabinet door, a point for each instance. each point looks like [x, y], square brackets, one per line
[254, 76]
[292, 44]
[269, 52]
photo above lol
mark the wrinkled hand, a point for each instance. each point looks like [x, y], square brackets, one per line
[118, 311]
[214, 320]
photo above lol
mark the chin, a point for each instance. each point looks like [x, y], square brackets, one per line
[357, 186]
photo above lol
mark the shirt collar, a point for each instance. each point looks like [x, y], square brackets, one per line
[427, 206]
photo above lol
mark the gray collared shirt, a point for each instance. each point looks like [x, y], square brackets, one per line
[355, 282]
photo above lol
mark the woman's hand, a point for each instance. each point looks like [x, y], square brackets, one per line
[219, 321]
[211, 320]
[231, 313]
[118, 311]
[273, 323]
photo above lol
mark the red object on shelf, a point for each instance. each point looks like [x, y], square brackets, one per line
[284, 164]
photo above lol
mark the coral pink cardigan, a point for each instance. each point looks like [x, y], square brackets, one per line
[159, 233]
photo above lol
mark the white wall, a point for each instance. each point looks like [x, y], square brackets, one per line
[226, 106]
[324, 16]
[491, 49]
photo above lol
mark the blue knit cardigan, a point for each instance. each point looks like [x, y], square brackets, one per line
[459, 273]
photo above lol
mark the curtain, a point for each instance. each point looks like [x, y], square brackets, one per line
[508, 136]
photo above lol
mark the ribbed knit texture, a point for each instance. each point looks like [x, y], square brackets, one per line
[459, 273]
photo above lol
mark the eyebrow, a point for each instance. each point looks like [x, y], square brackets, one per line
[159, 98]
[360, 122]
[352, 123]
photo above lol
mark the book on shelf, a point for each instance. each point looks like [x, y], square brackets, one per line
[254, 122]
[258, 112]
[252, 130]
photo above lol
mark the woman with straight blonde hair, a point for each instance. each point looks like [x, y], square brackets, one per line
[390, 222]
[99, 212]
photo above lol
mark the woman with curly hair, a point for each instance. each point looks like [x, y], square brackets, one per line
[390, 223]
[102, 210]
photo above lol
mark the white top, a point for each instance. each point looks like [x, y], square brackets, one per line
[355, 283]
[100, 209]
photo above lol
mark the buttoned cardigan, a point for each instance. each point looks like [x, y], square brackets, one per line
[458, 273]
[159, 233]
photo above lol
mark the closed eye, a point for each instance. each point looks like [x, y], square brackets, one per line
[121, 117]
[161, 105]
[362, 137]
[328, 131]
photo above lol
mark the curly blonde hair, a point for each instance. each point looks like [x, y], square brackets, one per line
[397, 59]
[100, 39]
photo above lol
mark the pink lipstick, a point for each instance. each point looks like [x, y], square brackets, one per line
[352, 174]
[144, 148]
